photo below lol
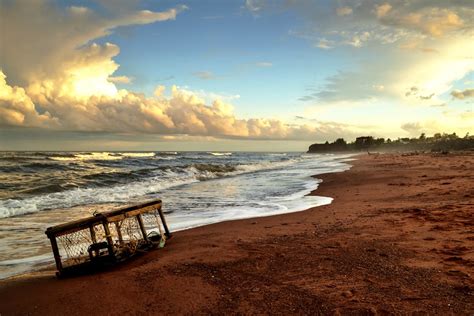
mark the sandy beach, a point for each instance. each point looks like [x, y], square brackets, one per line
[398, 238]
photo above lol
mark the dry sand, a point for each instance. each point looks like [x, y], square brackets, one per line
[398, 238]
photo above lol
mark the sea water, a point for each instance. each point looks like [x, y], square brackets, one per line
[42, 189]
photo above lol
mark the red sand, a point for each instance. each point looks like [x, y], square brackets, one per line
[398, 238]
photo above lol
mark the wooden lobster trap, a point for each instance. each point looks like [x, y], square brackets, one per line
[107, 237]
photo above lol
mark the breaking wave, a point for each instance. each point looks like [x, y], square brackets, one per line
[219, 154]
[138, 154]
[121, 186]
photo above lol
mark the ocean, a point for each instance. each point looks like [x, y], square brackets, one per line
[42, 189]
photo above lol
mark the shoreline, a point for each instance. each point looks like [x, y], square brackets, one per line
[382, 245]
[46, 268]
[291, 200]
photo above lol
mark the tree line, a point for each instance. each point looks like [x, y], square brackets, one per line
[436, 143]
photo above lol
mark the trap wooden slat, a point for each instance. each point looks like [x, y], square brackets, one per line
[98, 217]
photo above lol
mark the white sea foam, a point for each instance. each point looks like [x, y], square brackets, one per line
[90, 156]
[264, 166]
[169, 153]
[123, 193]
[219, 154]
[283, 205]
[103, 156]
[138, 155]
[83, 196]
[263, 204]
[187, 221]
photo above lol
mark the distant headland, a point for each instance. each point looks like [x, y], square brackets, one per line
[436, 143]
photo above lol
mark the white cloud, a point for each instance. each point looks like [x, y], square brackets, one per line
[69, 83]
[183, 113]
[387, 22]
[17, 109]
[418, 43]
[60, 38]
[398, 71]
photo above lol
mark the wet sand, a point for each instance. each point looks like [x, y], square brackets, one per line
[398, 238]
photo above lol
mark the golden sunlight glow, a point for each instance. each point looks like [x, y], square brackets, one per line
[89, 86]
[89, 81]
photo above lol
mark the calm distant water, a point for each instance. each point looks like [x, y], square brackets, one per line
[41, 189]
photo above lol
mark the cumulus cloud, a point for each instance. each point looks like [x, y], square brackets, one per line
[17, 109]
[458, 94]
[69, 83]
[183, 113]
[58, 37]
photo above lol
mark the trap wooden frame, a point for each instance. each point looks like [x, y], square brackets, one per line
[107, 237]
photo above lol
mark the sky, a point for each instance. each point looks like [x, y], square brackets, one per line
[250, 75]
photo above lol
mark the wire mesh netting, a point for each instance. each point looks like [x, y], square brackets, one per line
[126, 235]
[152, 223]
[99, 232]
[74, 246]
[111, 238]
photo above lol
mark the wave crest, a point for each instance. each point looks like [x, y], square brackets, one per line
[219, 154]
